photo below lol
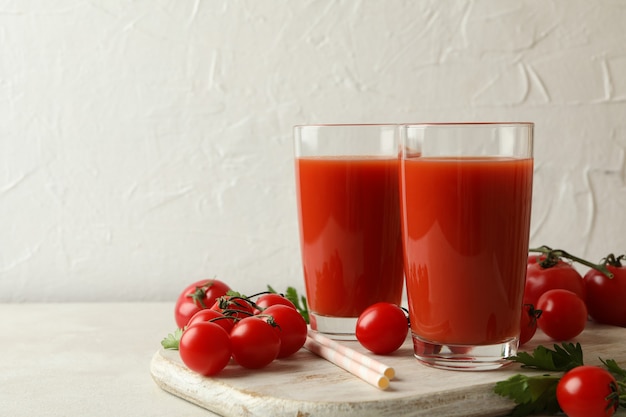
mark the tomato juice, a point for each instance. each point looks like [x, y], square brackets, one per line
[466, 231]
[349, 232]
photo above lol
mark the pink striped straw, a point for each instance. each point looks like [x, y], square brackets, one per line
[362, 366]
[353, 355]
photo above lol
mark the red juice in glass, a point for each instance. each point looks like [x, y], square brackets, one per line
[349, 232]
[477, 210]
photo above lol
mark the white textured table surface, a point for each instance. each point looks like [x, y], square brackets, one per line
[86, 360]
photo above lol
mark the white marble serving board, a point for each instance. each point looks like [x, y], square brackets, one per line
[305, 385]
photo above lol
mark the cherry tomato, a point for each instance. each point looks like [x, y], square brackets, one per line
[235, 307]
[563, 314]
[528, 323]
[205, 348]
[291, 328]
[587, 391]
[540, 279]
[267, 300]
[606, 297]
[254, 342]
[195, 297]
[382, 328]
[213, 316]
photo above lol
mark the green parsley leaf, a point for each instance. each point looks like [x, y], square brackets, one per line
[561, 359]
[299, 301]
[614, 368]
[531, 394]
[172, 340]
[233, 293]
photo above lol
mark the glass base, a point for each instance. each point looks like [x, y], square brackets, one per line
[464, 357]
[339, 328]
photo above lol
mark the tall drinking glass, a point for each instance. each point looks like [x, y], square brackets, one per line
[349, 217]
[466, 201]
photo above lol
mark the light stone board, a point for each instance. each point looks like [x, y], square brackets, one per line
[305, 385]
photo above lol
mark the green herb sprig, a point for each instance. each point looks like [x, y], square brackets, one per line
[299, 301]
[537, 394]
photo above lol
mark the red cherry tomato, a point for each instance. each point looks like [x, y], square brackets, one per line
[195, 297]
[205, 348]
[540, 279]
[291, 328]
[212, 316]
[254, 343]
[528, 323]
[235, 307]
[563, 314]
[267, 300]
[606, 297]
[587, 391]
[382, 328]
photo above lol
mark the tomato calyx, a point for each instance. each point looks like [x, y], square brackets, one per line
[612, 260]
[528, 323]
[236, 301]
[269, 319]
[533, 313]
[613, 399]
[235, 307]
[199, 295]
[550, 257]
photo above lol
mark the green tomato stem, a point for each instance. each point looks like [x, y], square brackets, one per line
[553, 256]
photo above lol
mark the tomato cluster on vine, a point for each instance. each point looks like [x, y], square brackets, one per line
[217, 325]
[559, 300]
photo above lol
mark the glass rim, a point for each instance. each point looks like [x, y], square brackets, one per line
[467, 124]
[415, 125]
[347, 125]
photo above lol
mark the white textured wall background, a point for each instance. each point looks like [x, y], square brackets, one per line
[145, 144]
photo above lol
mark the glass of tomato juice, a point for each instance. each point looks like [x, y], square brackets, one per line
[349, 216]
[466, 193]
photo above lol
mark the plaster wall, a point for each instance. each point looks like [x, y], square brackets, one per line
[147, 144]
